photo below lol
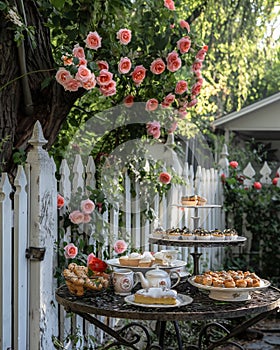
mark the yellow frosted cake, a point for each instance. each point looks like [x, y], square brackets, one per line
[156, 296]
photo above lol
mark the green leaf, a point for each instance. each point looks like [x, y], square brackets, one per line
[59, 4]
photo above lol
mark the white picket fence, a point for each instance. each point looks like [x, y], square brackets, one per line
[29, 314]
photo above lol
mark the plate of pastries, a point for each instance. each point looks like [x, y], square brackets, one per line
[229, 285]
[80, 279]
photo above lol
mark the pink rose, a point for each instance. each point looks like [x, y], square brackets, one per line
[109, 89]
[164, 104]
[93, 40]
[153, 128]
[196, 66]
[124, 65]
[169, 4]
[78, 51]
[87, 218]
[83, 74]
[184, 24]
[87, 206]
[184, 44]
[157, 66]
[151, 105]
[170, 98]
[233, 164]
[181, 87]
[192, 103]
[76, 217]
[62, 75]
[60, 201]
[82, 62]
[165, 178]
[174, 65]
[124, 36]
[67, 61]
[70, 251]
[173, 127]
[105, 77]
[200, 56]
[257, 185]
[182, 112]
[139, 74]
[120, 246]
[102, 65]
[89, 84]
[196, 88]
[173, 61]
[128, 101]
[72, 85]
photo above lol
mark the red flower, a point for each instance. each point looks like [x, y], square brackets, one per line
[275, 181]
[233, 164]
[165, 178]
[257, 185]
[96, 264]
[60, 201]
[223, 177]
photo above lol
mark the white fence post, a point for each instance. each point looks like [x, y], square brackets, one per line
[43, 232]
[5, 264]
[21, 289]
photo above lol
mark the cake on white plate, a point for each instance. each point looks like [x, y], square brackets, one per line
[156, 296]
[131, 259]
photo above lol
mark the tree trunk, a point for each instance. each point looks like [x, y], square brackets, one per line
[49, 105]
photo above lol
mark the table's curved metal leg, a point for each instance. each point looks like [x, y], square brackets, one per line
[214, 334]
[121, 336]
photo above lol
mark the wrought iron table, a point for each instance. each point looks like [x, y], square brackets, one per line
[211, 336]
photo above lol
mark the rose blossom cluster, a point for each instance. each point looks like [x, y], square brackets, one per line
[77, 72]
[82, 216]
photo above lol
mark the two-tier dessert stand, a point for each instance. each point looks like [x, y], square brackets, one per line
[196, 243]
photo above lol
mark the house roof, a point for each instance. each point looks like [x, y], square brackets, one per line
[261, 119]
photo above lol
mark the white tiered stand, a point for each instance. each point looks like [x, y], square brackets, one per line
[196, 243]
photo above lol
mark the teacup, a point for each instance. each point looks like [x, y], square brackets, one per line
[169, 256]
[123, 281]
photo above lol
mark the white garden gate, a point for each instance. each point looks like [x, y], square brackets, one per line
[29, 314]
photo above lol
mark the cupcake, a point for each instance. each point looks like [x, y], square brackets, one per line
[187, 234]
[173, 233]
[230, 234]
[217, 234]
[202, 234]
[158, 232]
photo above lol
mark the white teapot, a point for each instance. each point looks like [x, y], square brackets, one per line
[157, 278]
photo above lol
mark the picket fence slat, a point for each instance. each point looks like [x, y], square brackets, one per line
[21, 287]
[6, 263]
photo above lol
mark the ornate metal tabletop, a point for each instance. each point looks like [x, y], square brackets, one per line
[106, 303]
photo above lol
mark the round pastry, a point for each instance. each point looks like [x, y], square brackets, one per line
[147, 260]
[218, 282]
[174, 233]
[201, 200]
[158, 258]
[189, 200]
[198, 279]
[187, 234]
[130, 260]
[230, 234]
[207, 280]
[202, 234]
[217, 234]
[241, 283]
[229, 283]
[158, 232]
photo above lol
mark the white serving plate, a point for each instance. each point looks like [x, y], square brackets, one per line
[229, 294]
[238, 239]
[175, 265]
[181, 300]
